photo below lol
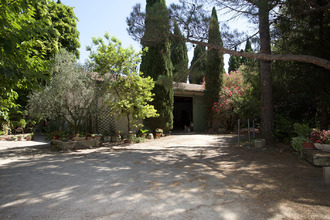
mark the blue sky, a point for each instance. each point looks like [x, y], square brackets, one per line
[100, 16]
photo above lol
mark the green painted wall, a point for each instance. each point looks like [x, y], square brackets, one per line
[199, 114]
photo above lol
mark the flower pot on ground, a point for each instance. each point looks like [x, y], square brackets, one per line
[28, 137]
[158, 132]
[308, 145]
[158, 135]
[19, 138]
[142, 133]
[97, 136]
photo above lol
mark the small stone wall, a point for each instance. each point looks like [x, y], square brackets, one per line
[74, 145]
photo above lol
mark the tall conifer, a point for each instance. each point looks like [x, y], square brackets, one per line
[198, 65]
[157, 62]
[248, 48]
[234, 63]
[215, 65]
[179, 56]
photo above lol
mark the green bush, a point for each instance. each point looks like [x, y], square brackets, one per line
[22, 123]
[297, 143]
[283, 129]
[302, 129]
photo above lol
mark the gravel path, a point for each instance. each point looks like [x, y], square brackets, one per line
[175, 177]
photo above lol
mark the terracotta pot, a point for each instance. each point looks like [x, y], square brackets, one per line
[158, 135]
[308, 145]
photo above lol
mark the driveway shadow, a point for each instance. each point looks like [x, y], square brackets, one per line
[211, 181]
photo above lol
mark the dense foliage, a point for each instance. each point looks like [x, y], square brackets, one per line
[31, 33]
[109, 56]
[214, 65]
[69, 96]
[60, 30]
[301, 91]
[123, 89]
[198, 65]
[179, 56]
[130, 98]
[156, 62]
[231, 97]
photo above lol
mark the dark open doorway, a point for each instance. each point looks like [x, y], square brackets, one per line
[183, 112]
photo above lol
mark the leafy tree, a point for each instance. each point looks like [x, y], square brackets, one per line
[214, 65]
[156, 62]
[198, 65]
[301, 90]
[131, 97]
[179, 56]
[68, 96]
[26, 40]
[61, 29]
[19, 66]
[226, 109]
[110, 57]
[127, 92]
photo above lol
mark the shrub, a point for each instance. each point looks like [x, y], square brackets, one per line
[302, 129]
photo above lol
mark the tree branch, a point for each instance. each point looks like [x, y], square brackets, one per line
[283, 57]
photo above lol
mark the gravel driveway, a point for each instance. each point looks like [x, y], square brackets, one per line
[175, 177]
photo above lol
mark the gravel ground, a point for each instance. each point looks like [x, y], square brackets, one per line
[175, 177]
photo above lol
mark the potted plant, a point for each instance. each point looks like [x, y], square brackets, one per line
[96, 136]
[143, 132]
[28, 137]
[88, 136]
[159, 132]
[321, 139]
[79, 137]
[304, 131]
[19, 137]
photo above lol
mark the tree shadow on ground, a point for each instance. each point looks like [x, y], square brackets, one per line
[213, 181]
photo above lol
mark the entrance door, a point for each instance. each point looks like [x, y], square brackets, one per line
[183, 112]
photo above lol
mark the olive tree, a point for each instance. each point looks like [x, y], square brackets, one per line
[69, 94]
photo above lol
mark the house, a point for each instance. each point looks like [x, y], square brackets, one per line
[189, 108]
[189, 112]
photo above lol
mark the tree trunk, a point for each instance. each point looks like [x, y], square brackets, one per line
[128, 124]
[265, 74]
[324, 79]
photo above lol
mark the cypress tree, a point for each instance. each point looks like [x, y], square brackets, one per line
[248, 48]
[214, 66]
[179, 56]
[234, 63]
[157, 62]
[198, 65]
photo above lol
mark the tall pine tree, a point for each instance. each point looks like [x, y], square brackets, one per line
[214, 66]
[179, 56]
[157, 62]
[198, 65]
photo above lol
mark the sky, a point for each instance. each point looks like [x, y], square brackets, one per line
[100, 16]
